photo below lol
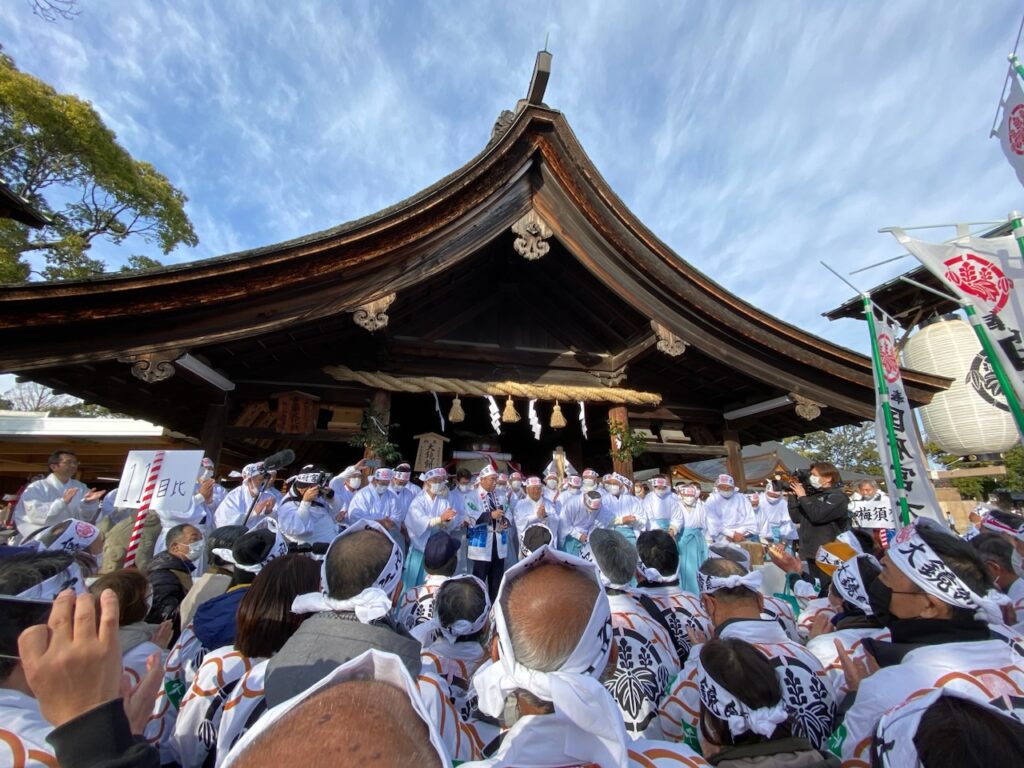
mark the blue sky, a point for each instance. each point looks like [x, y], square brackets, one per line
[755, 138]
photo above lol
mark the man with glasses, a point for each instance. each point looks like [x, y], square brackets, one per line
[56, 497]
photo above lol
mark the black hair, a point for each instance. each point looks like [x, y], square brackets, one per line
[536, 536]
[992, 546]
[222, 538]
[55, 456]
[657, 550]
[461, 599]
[463, 474]
[18, 573]
[251, 548]
[962, 559]
[866, 540]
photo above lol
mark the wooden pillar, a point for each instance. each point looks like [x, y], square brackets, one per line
[619, 415]
[734, 458]
[212, 437]
[380, 406]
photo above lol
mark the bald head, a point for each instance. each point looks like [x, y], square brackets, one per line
[532, 600]
[355, 562]
[361, 722]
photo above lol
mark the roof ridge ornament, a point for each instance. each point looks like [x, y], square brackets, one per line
[373, 315]
[532, 232]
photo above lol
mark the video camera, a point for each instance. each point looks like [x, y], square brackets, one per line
[320, 479]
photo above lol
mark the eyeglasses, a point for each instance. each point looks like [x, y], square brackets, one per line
[67, 463]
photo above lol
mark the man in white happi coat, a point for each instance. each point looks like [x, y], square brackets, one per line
[346, 484]
[1006, 566]
[403, 488]
[625, 510]
[729, 514]
[776, 526]
[376, 502]
[569, 719]
[731, 599]
[580, 518]
[946, 631]
[56, 497]
[536, 508]
[440, 558]
[233, 509]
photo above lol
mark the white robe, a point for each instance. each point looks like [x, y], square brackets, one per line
[775, 515]
[983, 670]
[622, 506]
[307, 522]
[578, 520]
[728, 516]
[526, 515]
[232, 510]
[23, 732]
[42, 505]
[242, 709]
[367, 504]
[416, 605]
[805, 688]
[667, 509]
[694, 515]
[404, 497]
[424, 519]
[647, 663]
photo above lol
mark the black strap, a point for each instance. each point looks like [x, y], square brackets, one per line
[653, 609]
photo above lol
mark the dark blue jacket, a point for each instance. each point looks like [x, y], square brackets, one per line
[214, 622]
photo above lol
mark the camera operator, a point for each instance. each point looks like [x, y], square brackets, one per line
[306, 515]
[822, 511]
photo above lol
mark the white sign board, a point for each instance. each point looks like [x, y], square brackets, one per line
[175, 485]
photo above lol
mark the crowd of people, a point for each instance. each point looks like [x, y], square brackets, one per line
[485, 619]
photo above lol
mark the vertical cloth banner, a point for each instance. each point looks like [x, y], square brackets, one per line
[1011, 127]
[986, 273]
[904, 449]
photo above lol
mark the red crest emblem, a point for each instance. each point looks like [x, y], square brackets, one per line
[979, 277]
[1015, 128]
[890, 363]
[84, 530]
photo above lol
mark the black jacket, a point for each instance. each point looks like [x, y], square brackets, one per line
[101, 738]
[170, 578]
[822, 515]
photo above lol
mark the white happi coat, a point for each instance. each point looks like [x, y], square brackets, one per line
[236, 504]
[475, 503]
[805, 688]
[810, 612]
[199, 716]
[417, 603]
[824, 648]
[183, 661]
[42, 505]
[464, 738]
[728, 516]
[542, 740]
[681, 611]
[624, 505]
[647, 663]
[367, 504]
[1016, 595]
[984, 669]
[694, 516]
[404, 497]
[424, 515]
[306, 522]
[526, 515]
[775, 515]
[23, 732]
[242, 708]
[667, 510]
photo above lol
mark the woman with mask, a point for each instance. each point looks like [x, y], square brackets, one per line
[822, 512]
[693, 545]
[776, 527]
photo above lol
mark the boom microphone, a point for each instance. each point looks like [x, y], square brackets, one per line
[278, 460]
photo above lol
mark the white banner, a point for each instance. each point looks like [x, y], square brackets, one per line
[987, 272]
[175, 485]
[871, 513]
[1011, 128]
[913, 461]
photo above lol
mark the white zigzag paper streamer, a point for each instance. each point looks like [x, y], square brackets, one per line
[534, 421]
[495, 414]
[437, 407]
[583, 420]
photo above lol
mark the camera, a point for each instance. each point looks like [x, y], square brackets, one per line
[803, 476]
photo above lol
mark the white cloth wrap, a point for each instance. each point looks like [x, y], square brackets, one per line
[70, 578]
[575, 688]
[654, 576]
[919, 563]
[77, 536]
[461, 627]
[280, 548]
[894, 735]
[741, 718]
[708, 584]
[848, 583]
[373, 602]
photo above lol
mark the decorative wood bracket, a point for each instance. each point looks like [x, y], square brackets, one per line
[532, 232]
[374, 314]
[152, 367]
[805, 407]
[668, 342]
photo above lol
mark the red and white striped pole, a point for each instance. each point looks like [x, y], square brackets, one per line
[140, 519]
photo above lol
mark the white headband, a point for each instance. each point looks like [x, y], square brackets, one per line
[279, 549]
[849, 583]
[919, 563]
[850, 538]
[825, 557]
[77, 536]
[69, 578]
[306, 478]
[741, 718]
[709, 584]
[369, 665]
[575, 688]
[894, 736]
[402, 475]
[370, 604]
[654, 576]
[253, 470]
[460, 628]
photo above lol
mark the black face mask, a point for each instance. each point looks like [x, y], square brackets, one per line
[880, 598]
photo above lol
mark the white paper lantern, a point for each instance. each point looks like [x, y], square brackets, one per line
[971, 417]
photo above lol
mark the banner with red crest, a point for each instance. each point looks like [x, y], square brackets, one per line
[987, 273]
[905, 448]
[1011, 127]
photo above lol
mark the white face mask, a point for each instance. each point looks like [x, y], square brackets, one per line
[195, 550]
[815, 481]
[355, 482]
[662, 492]
[516, 485]
[380, 488]
[589, 484]
[551, 484]
[613, 489]
[726, 494]
[463, 486]
[1018, 563]
[772, 499]
[438, 489]
[689, 500]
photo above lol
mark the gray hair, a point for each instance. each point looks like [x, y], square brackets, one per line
[614, 555]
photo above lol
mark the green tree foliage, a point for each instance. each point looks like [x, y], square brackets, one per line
[56, 152]
[851, 447]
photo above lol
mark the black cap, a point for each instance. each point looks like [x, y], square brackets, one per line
[439, 550]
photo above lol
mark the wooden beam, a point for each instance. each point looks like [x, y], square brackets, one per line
[734, 459]
[269, 433]
[212, 437]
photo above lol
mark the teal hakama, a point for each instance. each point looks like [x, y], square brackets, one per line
[693, 550]
[628, 532]
[573, 546]
[415, 574]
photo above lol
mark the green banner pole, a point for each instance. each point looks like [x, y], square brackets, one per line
[883, 393]
[1018, 229]
[997, 367]
[1017, 66]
